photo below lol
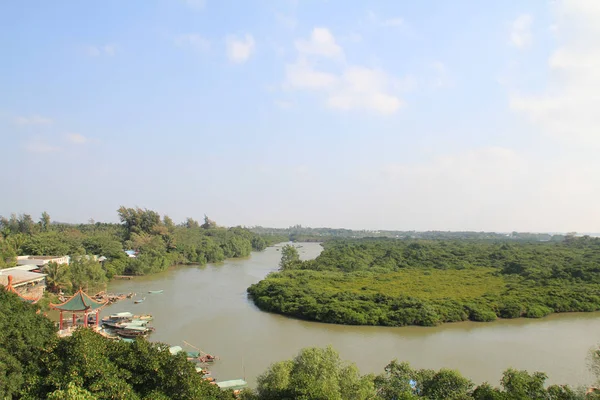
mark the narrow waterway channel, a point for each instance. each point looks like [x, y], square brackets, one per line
[208, 307]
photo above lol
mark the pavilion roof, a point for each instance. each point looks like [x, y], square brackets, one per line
[79, 302]
[9, 287]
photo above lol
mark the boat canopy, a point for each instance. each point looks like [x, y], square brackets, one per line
[122, 315]
[131, 327]
[233, 384]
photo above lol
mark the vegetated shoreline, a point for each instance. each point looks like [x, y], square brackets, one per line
[372, 282]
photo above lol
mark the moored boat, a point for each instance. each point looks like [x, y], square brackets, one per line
[155, 291]
[234, 384]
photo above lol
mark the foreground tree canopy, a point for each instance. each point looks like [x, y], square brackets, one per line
[407, 282]
[320, 374]
[35, 364]
[157, 242]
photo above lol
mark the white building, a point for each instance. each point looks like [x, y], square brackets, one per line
[40, 261]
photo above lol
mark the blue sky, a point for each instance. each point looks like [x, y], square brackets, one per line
[460, 115]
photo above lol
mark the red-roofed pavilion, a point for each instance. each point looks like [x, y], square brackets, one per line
[79, 303]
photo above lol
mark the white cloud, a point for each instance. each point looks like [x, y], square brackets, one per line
[240, 50]
[567, 107]
[302, 75]
[38, 145]
[520, 34]
[364, 88]
[343, 87]
[192, 40]
[33, 120]
[108, 50]
[321, 43]
[195, 4]
[77, 138]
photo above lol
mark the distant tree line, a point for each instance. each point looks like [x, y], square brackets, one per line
[157, 241]
[425, 282]
[299, 233]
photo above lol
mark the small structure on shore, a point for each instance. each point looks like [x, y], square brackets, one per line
[28, 285]
[10, 288]
[79, 303]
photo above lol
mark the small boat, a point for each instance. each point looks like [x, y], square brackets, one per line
[155, 291]
[201, 358]
[234, 384]
[145, 317]
[134, 331]
[139, 301]
[128, 333]
[118, 316]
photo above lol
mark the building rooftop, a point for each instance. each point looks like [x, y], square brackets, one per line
[19, 276]
[38, 257]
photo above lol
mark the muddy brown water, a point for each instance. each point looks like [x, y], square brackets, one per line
[209, 308]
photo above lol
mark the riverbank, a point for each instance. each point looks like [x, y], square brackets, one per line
[209, 307]
[398, 283]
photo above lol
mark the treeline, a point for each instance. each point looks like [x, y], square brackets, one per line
[320, 374]
[36, 364]
[301, 233]
[157, 243]
[396, 283]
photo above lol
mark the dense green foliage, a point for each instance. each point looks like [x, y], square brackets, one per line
[319, 374]
[313, 374]
[398, 282]
[158, 244]
[36, 364]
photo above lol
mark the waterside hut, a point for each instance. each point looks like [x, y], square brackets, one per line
[80, 302]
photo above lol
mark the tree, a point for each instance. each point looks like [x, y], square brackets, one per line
[208, 223]
[24, 335]
[522, 385]
[168, 222]
[446, 384]
[137, 220]
[314, 374]
[44, 222]
[26, 224]
[191, 223]
[57, 276]
[85, 272]
[289, 257]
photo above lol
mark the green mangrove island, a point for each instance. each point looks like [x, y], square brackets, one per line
[394, 282]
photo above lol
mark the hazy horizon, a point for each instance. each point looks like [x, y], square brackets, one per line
[447, 116]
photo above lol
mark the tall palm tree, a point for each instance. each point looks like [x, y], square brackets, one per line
[57, 276]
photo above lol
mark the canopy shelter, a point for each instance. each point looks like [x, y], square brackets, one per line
[79, 303]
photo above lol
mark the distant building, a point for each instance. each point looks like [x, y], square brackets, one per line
[29, 285]
[131, 253]
[40, 261]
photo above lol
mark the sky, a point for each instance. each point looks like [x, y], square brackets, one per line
[403, 115]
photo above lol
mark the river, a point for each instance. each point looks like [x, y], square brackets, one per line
[208, 307]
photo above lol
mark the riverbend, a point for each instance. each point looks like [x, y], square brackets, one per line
[209, 308]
